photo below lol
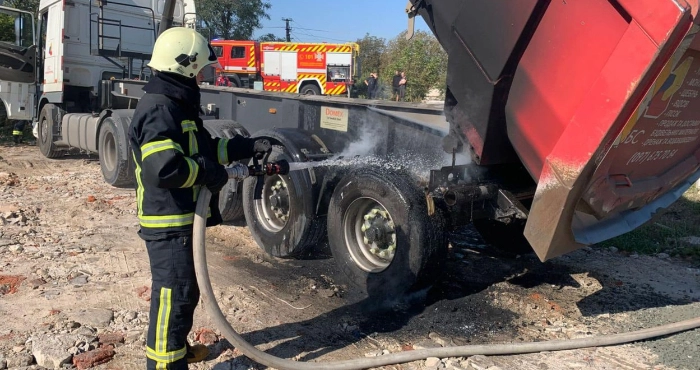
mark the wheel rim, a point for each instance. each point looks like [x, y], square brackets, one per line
[274, 208]
[109, 155]
[370, 234]
[43, 132]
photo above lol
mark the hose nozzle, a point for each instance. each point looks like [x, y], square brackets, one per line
[280, 167]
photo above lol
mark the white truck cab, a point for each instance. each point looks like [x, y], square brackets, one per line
[17, 63]
[53, 68]
[83, 42]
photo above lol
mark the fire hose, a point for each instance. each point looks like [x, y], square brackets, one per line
[214, 311]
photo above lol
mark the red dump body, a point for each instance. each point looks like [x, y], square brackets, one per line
[598, 99]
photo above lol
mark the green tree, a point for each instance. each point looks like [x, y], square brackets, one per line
[232, 19]
[371, 50]
[28, 5]
[423, 60]
[7, 21]
[270, 37]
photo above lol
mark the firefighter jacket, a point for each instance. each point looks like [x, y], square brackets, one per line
[165, 133]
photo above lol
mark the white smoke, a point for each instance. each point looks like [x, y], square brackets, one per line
[366, 144]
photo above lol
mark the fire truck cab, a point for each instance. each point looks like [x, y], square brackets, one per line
[304, 68]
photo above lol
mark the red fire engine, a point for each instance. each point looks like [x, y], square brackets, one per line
[305, 68]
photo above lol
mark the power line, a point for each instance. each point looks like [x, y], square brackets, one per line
[315, 36]
[320, 37]
[309, 29]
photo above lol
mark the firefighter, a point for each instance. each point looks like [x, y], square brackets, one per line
[174, 157]
[18, 131]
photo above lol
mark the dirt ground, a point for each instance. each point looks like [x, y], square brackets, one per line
[72, 267]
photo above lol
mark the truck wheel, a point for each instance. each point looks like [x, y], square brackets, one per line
[284, 221]
[310, 89]
[506, 237]
[49, 118]
[231, 195]
[116, 161]
[235, 81]
[381, 236]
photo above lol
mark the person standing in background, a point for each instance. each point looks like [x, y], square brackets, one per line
[402, 86]
[395, 85]
[371, 83]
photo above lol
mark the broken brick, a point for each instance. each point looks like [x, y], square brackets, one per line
[144, 293]
[92, 358]
[91, 198]
[9, 283]
[110, 338]
[206, 336]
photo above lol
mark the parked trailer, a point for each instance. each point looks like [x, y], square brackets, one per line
[306, 208]
[294, 213]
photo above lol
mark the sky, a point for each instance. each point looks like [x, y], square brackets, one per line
[338, 21]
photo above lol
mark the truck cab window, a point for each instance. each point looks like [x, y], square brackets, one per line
[238, 52]
[42, 29]
[16, 28]
[218, 50]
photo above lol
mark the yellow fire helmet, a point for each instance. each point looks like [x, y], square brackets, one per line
[183, 51]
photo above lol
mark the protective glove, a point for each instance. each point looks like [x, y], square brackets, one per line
[214, 175]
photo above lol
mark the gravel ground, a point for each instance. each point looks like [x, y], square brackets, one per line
[74, 286]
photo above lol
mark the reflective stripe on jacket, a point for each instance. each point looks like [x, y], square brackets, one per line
[164, 134]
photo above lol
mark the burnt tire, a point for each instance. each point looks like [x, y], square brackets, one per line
[116, 161]
[310, 89]
[420, 242]
[49, 119]
[231, 195]
[284, 222]
[507, 238]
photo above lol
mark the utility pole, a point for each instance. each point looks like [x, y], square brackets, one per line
[288, 29]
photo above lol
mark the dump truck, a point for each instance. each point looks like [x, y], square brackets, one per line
[565, 124]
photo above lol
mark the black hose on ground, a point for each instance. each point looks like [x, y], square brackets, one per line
[266, 359]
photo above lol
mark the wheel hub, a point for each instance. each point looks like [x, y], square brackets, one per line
[275, 207]
[279, 200]
[371, 239]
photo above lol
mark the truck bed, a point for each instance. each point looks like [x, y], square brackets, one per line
[598, 99]
[391, 129]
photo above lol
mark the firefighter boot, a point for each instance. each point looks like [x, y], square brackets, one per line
[196, 353]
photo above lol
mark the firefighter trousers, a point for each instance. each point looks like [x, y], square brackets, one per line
[174, 297]
[18, 131]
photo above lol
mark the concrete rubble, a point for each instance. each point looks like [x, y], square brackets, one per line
[52, 351]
